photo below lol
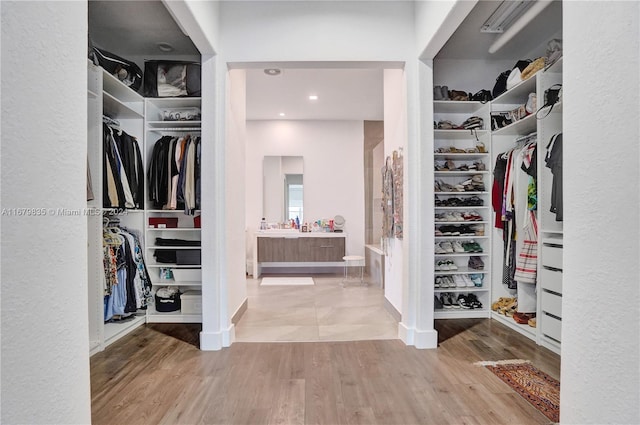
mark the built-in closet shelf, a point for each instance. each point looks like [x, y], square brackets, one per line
[116, 330]
[175, 102]
[461, 313]
[439, 223]
[173, 266]
[461, 270]
[116, 88]
[92, 94]
[555, 68]
[458, 134]
[555, 239]
[121, 211]
[463, 207]
[462, 289]
[461, 254]
[174, 229]
[459, 173]
[447, 238]
[516, 95]
[178, 125]
[524, 126]
[525, 330]
[459, 156]
[170, 211]
[113, 108]
[171, 282]
[174, 247]
[461, 193]
[172, 317]
[454, 106]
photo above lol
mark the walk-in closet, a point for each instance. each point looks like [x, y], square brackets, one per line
[498, 170]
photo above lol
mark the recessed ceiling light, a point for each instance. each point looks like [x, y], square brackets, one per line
[164, 47]
[313, 97]
[272, 71]
[282, 114]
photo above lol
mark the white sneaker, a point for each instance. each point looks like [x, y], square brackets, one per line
[468, 281]
[446, 246]
[439, 250]
[457, 247]
[460, 283]
[452, 265]
[442, 265]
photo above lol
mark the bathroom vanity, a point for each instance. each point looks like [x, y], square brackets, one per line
[292, 248]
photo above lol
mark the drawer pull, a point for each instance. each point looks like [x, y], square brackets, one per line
[553, 269]
[326, 246]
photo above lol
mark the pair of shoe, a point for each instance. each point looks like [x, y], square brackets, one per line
[477, 279]
[466, 301]
[459, 216]
[456, 281]
[475, 263]
[460, 230]
[441, 93]
[505, 306]
[446, 265]
[523, 318]
[447, 247]
[471, 246]
[469, 301]
[472, 201]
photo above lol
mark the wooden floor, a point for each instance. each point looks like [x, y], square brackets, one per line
[157, 375]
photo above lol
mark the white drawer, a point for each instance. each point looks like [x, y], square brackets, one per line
[552, 256]
[551, 280]
[551, 303]
[551, 327]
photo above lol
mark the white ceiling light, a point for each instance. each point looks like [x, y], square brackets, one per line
[273, 71]
[313, 97]
[517, 26]
[282, 114]
[505, 15]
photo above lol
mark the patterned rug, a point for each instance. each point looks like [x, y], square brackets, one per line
[541, 390]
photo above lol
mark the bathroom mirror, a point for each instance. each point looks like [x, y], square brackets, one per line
[282, 194]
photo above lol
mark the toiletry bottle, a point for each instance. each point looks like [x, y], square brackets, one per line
[263, 224]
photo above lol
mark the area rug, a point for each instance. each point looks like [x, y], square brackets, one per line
[538, 388]
[286, 281]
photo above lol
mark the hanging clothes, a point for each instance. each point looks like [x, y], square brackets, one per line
[127, 283]
[174, 174]
[553, 160]
[123, 178]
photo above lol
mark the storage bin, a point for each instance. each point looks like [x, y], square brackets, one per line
[187, 275]
[196, 222]
[163, 222]
[191, 302]
[166, 305]
[188, 257]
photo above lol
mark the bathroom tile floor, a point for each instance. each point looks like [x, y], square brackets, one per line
[325, 311]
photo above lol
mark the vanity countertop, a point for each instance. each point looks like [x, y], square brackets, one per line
[288, 233]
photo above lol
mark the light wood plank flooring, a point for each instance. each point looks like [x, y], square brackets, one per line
[157, 375]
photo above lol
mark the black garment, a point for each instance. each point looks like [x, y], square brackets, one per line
[554, 162]
[176, 242]
[109, 160]
[132, 164]
[158, 174]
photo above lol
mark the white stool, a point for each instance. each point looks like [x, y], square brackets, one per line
[353, 261]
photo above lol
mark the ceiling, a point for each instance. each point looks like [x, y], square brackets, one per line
[134, 29]
[467, 42]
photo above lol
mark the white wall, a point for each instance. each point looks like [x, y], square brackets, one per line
[235, 197]
[316, 30]
[332, 154]
[395, 138]
[601, 308]
[45, 346]
[436, 21]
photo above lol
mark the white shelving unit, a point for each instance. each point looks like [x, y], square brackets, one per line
[106, 95]
[463, 143]
[155, 128]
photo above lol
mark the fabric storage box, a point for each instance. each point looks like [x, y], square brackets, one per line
[188, 257]
[191, 302]
[167, 300]
[181, 114]
[171, 79]
[196, 222]
[163, 222]
[187, 275]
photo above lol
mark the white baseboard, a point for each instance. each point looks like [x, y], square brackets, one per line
[418, 338]
[214, 341]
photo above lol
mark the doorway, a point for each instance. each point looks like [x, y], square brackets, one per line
[317, 114]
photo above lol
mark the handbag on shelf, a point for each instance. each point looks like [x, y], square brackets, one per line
[483, 96]
[552, 95]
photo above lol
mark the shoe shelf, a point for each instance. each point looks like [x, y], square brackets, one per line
[459, 173]
[468, 207]
[525, 330]
[460, 254]
[458, 134]
[459, 156]
[461, 270]
[462, 193]
[446, 238]
[463, 289]
[461, 313]
[457, 107]
[467, 222]
[526, 125]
